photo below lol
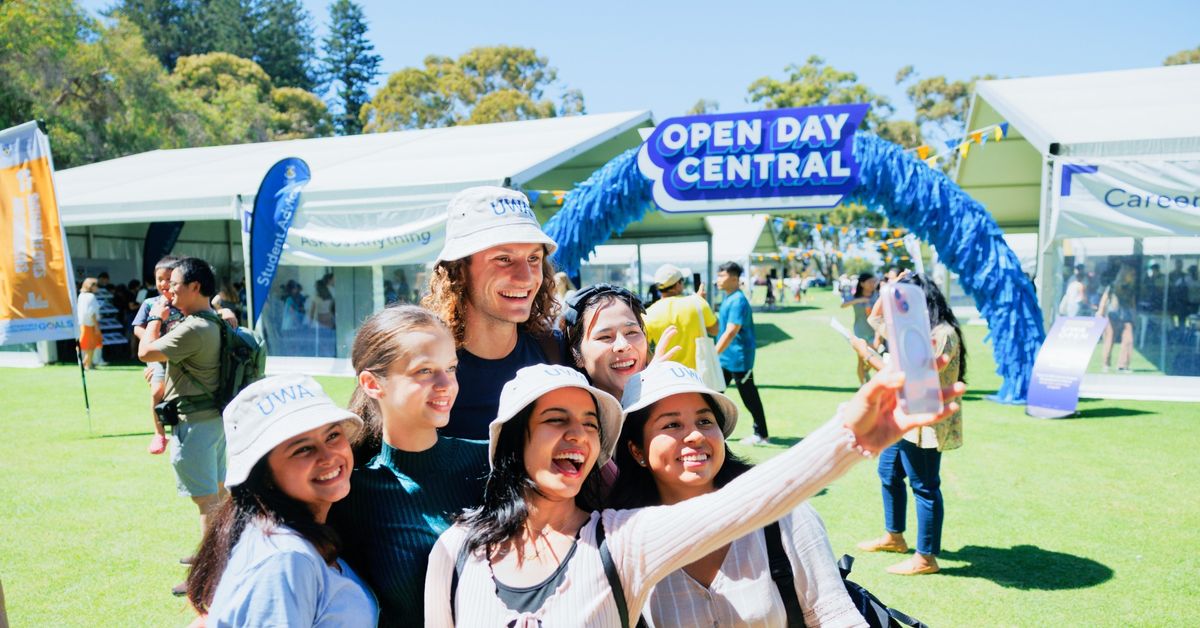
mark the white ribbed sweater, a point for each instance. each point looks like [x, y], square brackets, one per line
[646, 544]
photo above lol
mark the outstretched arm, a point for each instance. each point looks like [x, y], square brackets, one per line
[650, 543]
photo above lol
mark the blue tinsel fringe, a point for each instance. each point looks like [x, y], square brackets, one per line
[968, 241]
[614, 197]
[908, 192]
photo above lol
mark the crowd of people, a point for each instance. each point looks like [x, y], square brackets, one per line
[513, 456]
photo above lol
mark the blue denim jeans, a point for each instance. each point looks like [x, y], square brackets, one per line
[922, 468]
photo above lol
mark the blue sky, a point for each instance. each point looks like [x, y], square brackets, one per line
[664, 56]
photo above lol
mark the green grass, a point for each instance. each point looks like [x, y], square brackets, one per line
[1088, 521]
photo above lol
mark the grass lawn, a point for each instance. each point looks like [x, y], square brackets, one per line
[1082, 522]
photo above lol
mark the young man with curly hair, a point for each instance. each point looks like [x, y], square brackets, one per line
[494, 287]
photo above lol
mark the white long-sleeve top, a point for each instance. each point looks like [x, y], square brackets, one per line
[743, 593]
[87, 310]
[646, 544]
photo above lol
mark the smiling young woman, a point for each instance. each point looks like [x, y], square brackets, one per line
[673, 449]
[268, 557]
[414, 480]
[538, 552]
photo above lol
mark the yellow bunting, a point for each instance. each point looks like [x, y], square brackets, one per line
[896, 233]
[932, 162]
[791, 224]
[904, 258]
[999, 133]
[845, 230]
[963, 149]
[791, 256]
[923, 151]
[559, 196]
[977, 136]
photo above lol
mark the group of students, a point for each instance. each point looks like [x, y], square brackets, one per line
[587, 482]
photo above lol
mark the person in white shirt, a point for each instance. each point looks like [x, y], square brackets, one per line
[537, 552]
[268, 558]
[87, 313]
[672, 449]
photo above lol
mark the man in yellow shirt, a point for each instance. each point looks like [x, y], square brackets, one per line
[690, 315]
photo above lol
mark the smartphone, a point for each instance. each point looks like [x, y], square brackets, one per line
[906, 321]
[841, 329]
[695, 282]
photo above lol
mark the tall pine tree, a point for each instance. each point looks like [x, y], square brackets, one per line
[283, 42]
[349, 65]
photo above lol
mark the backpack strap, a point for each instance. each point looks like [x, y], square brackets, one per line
[781, 573]
[614, 579]
[463, 553]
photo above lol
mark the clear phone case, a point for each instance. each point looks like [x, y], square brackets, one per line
[909, 341]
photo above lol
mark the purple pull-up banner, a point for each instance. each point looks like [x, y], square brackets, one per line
[1054, 385]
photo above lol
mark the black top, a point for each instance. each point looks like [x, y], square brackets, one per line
[529, 599]
[480, 382]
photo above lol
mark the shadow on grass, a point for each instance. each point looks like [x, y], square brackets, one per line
[845, 389]
[769, 334]
[1027, 567]
[976, 395]
[125, 435]
[1107, 413]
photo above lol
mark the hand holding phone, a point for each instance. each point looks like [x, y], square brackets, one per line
[909, 341]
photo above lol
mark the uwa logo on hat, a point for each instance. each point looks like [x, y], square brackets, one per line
[279, 398]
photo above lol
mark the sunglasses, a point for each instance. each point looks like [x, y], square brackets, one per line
[578, 303]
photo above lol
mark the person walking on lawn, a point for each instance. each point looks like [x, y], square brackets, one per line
[735, 346]
[691, 316]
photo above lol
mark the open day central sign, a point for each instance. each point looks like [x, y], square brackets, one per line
[775, 159]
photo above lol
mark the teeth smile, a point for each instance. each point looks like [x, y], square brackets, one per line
[329, 476]
[514, 295]
[440, 403]
[695, 458]
[624, 364]
[571, 456]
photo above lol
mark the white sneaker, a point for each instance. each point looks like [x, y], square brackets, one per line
[755, 440]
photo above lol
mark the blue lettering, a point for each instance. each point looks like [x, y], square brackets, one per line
[267, 410]
[1108, 202]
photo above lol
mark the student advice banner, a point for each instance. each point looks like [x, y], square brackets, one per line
[37, 300]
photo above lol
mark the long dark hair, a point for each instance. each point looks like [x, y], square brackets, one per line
[862, 280]
[940, 312]
[635, 486]
[257, 497]
[504, 509]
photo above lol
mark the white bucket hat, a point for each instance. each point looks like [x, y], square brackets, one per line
[664, 379]
[482, 217]
[271, 411]
[534, 381]
[668, 275]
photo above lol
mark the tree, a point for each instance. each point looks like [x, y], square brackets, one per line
[941, 105]
[177, 28]
[283, 43]
[816, 83]
[1184, 57]
[486, 84]
[231, 100]
[348, 63]
[99, 92]
[703, 106]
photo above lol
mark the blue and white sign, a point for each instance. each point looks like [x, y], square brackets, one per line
[275, 208]
[1145, 197]
[1058, 371]
[753, 161]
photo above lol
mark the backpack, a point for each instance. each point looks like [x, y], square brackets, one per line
[243, 359]
[876, 613]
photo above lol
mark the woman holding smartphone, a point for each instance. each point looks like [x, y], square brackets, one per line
[672, 449]
[918, 456]
[538, 551]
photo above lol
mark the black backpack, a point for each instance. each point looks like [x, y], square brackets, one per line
[877, 614]
[243, 359]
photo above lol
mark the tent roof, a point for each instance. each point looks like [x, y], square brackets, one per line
[1127, 112]
[348, 172]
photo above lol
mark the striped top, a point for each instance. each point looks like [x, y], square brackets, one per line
[646, 544]
[399, 504]
[743, 593]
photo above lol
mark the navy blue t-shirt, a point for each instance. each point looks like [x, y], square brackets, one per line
[480, 382]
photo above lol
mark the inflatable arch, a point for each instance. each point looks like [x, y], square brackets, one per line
[892, 181]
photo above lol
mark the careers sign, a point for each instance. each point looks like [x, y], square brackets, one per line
[774, 159]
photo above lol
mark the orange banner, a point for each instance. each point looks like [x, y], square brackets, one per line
[36, 293]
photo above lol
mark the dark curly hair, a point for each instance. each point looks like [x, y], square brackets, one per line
[449, 287]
